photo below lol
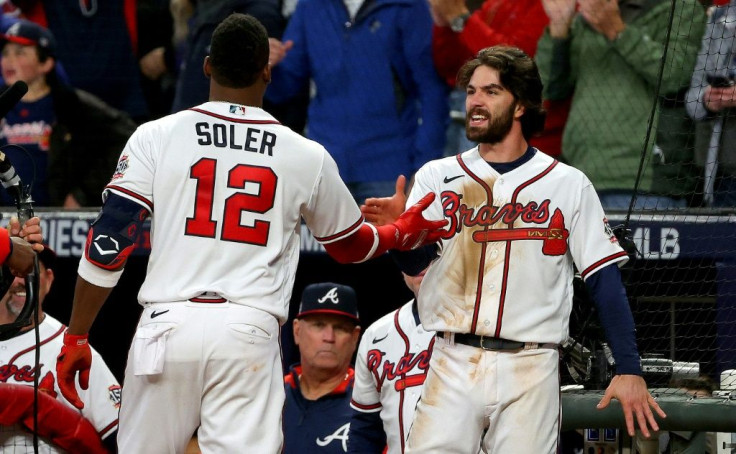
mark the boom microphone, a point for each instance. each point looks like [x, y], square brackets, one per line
[10, 97]
[8, 177]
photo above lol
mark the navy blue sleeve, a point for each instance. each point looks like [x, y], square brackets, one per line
[366, 433]
[609, 296]
[415, 261]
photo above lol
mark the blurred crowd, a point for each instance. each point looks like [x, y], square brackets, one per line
[639, 93]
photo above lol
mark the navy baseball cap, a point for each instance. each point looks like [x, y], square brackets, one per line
[329, 298]
[27, 33]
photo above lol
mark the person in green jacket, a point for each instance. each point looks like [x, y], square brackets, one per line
[607, 55]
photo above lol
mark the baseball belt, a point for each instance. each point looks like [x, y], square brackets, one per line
[492, 343]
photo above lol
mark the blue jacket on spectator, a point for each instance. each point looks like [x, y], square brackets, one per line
[378, 105]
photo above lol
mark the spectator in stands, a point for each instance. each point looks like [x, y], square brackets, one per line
[607, 54]
[457, 37]
[688, 442]
[17, 354]
[97, 41]
[392, 363]
[711, 101]
[682, 441]
[156, 55]
[71, 137]
[378, 105]
[318, 389]
[192, 87]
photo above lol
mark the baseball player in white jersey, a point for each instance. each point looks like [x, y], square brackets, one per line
[499, 289]
[18, 366]
[227, 187]
[390, 368]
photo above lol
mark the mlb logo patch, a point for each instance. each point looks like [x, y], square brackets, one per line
[237, 110]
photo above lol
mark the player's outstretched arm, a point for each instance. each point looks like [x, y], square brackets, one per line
[76, 356]
[636, 402]
[385, 210]
[410, 231]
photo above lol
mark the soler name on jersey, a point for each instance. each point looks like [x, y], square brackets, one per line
[219, 135]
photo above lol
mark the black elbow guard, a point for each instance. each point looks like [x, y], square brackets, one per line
[113, 235]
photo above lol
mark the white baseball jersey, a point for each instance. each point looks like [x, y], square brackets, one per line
[17, 362]
[390, 369]
[506, 263]
[227, 187]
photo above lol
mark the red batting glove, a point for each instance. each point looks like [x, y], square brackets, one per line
[75, 357]
[412, 230]
[46, 385]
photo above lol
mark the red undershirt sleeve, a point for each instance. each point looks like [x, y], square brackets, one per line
[365, 243]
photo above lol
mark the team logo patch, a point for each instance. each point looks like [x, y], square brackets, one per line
[609, 231]
[237, 110]
[341, 435]
[121, 167]
[114, 392]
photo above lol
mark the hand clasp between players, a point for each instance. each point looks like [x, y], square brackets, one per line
[631, 391]
[413, 230]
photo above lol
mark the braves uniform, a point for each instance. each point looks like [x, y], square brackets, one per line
[316, 426]
[17, 363]
[391, 366]
[504, 271]
[227, 187]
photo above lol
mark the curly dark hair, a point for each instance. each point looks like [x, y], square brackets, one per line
[519, 75]
[238, 51]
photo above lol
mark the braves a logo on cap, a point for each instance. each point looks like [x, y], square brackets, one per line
[237, 110]
[331, 295]
[13, 30]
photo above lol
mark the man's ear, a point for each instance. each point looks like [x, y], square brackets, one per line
[519, 110]
[266, 74]
[206, 67]
[296, 328]
[48, 65]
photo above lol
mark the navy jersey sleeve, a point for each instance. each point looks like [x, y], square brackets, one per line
[614, 313]
[366, 433]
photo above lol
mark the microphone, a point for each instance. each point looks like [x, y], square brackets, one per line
[10, 97]
[11, 182]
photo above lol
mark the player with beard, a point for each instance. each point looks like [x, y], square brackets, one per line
[498, 290]
[17, 363]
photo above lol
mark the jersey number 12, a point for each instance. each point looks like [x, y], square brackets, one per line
[202, 224]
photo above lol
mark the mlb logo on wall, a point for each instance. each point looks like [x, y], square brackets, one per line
[237, 110]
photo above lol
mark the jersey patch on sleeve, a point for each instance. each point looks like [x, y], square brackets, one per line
[609, 231]
[121, 168]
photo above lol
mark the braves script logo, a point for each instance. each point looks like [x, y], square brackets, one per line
[331, 295]
[340, 434]
[460, 215]
[19, 374]
[386, 370]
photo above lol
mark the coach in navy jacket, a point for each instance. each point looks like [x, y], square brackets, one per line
[317, 409]
[378, 105]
